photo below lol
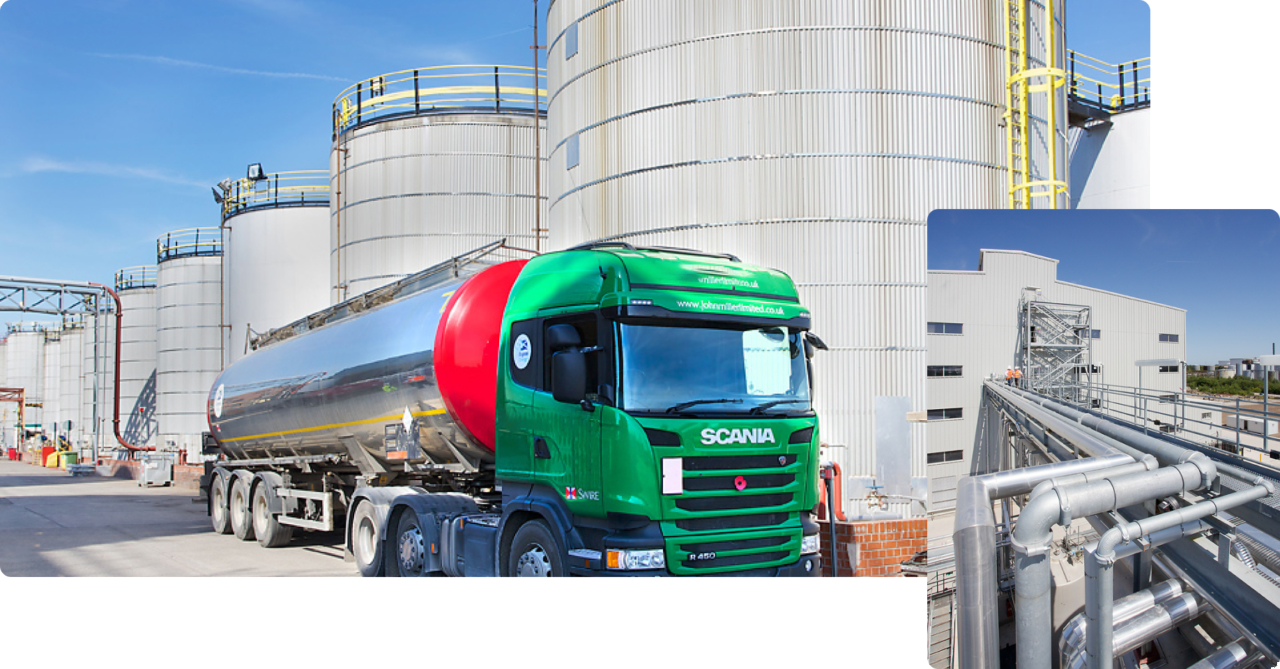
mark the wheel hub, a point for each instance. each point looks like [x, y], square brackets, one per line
[533, 562]
[411, 551]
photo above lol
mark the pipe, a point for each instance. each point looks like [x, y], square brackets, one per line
[1230, 655]
[1147, 464]
[1073, 633]
[115, 410]
[974, 537]
[1100, 557]
[1156, 621]
[1033, 534]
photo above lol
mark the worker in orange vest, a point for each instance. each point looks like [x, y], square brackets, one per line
[1008, 376]
[1017, 377]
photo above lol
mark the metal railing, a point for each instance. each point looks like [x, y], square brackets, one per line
[301, 188]
[141, 276]
[188, 243]
[452, 88]
[1107, 86]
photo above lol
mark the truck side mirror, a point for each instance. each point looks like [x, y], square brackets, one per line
[811, 342]
[569, 376]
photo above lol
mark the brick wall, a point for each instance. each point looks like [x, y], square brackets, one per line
[186, 477]
[882, 545]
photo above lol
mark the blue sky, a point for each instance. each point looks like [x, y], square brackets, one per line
[1221, 266]
[120, 115]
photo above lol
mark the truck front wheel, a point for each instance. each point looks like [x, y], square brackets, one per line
[534, 552]
[241, 524]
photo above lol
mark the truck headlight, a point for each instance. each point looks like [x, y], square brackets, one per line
[633, 559]
[810, 543]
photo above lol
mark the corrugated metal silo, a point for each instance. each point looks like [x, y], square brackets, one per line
[813, 137]
[188, 342]
[428, 164]
[51, 386]
[136, 287]
[70, 383]
[99, 374]
[275, 262]
[25, 353]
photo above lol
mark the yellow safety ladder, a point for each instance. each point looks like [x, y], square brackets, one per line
[1019, 85]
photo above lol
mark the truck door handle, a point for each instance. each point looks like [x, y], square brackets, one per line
[540, 449]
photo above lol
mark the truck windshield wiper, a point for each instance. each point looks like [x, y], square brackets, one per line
[760, 409]
[685, 405]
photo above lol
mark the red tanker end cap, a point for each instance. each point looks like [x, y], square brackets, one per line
[466, 355]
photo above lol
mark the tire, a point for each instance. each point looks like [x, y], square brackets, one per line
[270, 533]
[218, 511]
[535, 552]
[238, 507]
[366, 540]
[406, 554]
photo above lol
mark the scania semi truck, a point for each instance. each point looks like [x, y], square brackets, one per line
[605, 410]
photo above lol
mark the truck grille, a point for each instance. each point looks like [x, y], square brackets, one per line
[753, 482]
[732, 522]
[736, 560]
[733, 545]
[717, 462]
[732, 503]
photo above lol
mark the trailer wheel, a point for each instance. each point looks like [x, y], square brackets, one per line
[270, 533]
[218, 511]
[366, 540]
[408, 555]
[534, 552]
[238, 506]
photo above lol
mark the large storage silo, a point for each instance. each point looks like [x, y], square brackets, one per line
[813, 137]
[70, 383]
[428, 164]
[99, 375]
[275, 261]
[188, 344]
[51, 386]
[136, 287]
[24, 352]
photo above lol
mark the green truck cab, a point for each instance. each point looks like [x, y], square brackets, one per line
[654, 412]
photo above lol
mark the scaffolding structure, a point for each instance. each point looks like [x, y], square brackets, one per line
[1056, 346]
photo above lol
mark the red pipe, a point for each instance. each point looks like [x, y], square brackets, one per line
[115, 383]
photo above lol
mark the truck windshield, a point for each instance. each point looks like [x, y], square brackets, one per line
[677, 369]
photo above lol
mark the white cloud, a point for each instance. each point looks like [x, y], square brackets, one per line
[163, 60]
[39, 164]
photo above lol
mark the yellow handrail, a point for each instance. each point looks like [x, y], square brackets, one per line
[1117, 86]
[278, 189]
[473, 86]
[189, 242]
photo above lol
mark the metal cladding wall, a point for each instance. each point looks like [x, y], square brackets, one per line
[813, 137]
[411, 192]
[138, 422]
[275, 270]
[188, 346]
[70, 383]
[25, 354]
[99, 374]
[986, 303]
[51, 387]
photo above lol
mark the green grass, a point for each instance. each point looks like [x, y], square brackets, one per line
[1234, 386]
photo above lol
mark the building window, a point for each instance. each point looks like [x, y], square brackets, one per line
[947, 456]
[946, 328]
[1170, 338]
[571, 41]
[1091, 334]
[1085, 369]
[1168, 368]
[1206, 415]
[945, 370]
[945, 414]
[571, 152]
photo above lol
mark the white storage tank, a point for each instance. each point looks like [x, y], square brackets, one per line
[24, 352]
[275, 261]
[70, 383]
[98, 373]
[813, 137]
[188, 342]
[136, 287]
[51, 386]
[428, 164]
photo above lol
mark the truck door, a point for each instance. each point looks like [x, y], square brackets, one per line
[566, 437]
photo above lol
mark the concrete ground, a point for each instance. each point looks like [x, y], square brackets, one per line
[53, 524]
